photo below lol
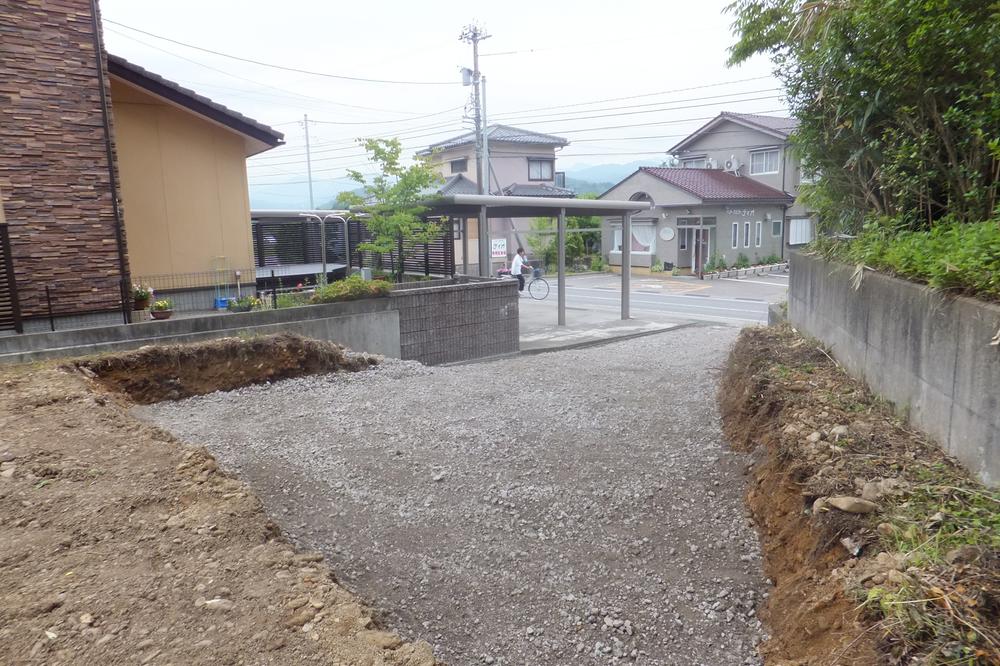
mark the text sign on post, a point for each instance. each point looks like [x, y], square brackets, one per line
[498, 248]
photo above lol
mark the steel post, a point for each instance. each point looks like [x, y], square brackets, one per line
[626, 262]
[561, 259]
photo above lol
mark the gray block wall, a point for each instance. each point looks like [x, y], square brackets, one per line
[928, 354]
[474, 318]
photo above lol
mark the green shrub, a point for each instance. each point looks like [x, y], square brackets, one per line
[963, 258]
[244, 304]
[771, 259]
[597, 264]
[350, 289]
[292, 300]
[742, 261]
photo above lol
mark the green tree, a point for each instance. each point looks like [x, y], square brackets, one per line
[897, 102]
[392, 201]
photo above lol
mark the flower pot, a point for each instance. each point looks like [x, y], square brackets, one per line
[140, 303]
[161, 314]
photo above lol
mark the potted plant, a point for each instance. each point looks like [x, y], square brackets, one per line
[244, 303]
[162, 309]
[141, 294]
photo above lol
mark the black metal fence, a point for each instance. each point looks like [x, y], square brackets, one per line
[10, 312]
[297, 242]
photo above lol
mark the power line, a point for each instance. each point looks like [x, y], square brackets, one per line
[663, 152]
[652, 94]
[535, 122]
[383, 122]
[292, 93]
[282, 67]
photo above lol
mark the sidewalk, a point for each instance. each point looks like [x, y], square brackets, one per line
[540, 333]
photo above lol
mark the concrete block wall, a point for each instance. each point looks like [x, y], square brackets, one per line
[473, 318]
[928, 354]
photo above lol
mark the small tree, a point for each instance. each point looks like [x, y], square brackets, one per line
[392, 201]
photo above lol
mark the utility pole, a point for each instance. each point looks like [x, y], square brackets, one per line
[473, 34]
[309, 169]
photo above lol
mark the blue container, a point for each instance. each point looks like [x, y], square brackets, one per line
[536, 272]
[221, 303]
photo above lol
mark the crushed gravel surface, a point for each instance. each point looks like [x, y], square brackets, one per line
[576, 507]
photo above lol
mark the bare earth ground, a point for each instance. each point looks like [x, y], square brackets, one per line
[118, 545]
[577, 507]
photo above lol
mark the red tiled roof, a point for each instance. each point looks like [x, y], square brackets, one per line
[718, 185]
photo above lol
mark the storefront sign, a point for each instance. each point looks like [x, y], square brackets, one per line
[498, 248]
[740, 212]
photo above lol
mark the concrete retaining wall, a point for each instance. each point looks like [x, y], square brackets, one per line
[442, 321]
[930, 355]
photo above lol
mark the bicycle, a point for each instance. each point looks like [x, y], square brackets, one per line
[537, 287]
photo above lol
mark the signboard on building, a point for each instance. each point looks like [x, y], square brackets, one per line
[498, 248]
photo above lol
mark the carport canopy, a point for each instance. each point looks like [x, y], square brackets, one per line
[487, 206]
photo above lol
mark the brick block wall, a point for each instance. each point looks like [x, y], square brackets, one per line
[53, 160]
[458, 322]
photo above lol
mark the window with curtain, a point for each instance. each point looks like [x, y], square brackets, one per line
[616, 240]
[540, 169]
[643, 238]
[764, 161]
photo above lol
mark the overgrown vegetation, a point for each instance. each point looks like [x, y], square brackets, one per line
[350, 289]
[392, 201]
[960, 258]
[899, 120]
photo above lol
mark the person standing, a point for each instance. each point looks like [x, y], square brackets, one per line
[517, 268]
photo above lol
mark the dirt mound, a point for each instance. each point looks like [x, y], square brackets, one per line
[120, 545]
[881, 549]
[171, 372]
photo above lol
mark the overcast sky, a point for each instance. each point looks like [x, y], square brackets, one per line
[540, 54]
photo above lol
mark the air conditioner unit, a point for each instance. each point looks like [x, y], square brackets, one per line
[733, 165]
[673, 161]
[711, 164]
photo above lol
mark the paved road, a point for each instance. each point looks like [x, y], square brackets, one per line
[726, 301]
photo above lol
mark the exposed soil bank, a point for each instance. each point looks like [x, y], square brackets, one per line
[171, 372]
[881, 549]
[120, 545]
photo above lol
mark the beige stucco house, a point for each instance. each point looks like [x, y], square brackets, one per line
[733, 190]
[521, 163]
[182, 161]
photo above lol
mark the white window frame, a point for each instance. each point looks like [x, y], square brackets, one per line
[778, 224]
[758, 237]
[736, 235]
[800, 231]
[764, 152]
[683, 236]
[465, 165]
[699, 162]
[746, 234]
[617, 238]
[541, 162]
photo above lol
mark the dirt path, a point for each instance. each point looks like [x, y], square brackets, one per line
[591, 515]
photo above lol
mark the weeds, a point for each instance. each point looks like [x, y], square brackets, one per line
[350, 289]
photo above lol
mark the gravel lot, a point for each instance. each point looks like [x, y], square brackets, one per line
[592, 516]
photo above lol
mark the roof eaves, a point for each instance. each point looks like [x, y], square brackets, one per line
[174, 92]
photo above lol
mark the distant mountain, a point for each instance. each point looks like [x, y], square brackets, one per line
[586, 186]
[607, 173]
[294, 194]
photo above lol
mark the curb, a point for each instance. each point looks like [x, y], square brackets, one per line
[604, 341]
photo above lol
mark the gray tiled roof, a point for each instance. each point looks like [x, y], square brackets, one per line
[458, 184]
[783, 126]
[500, 134]
[538, 190]
[715, 185]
